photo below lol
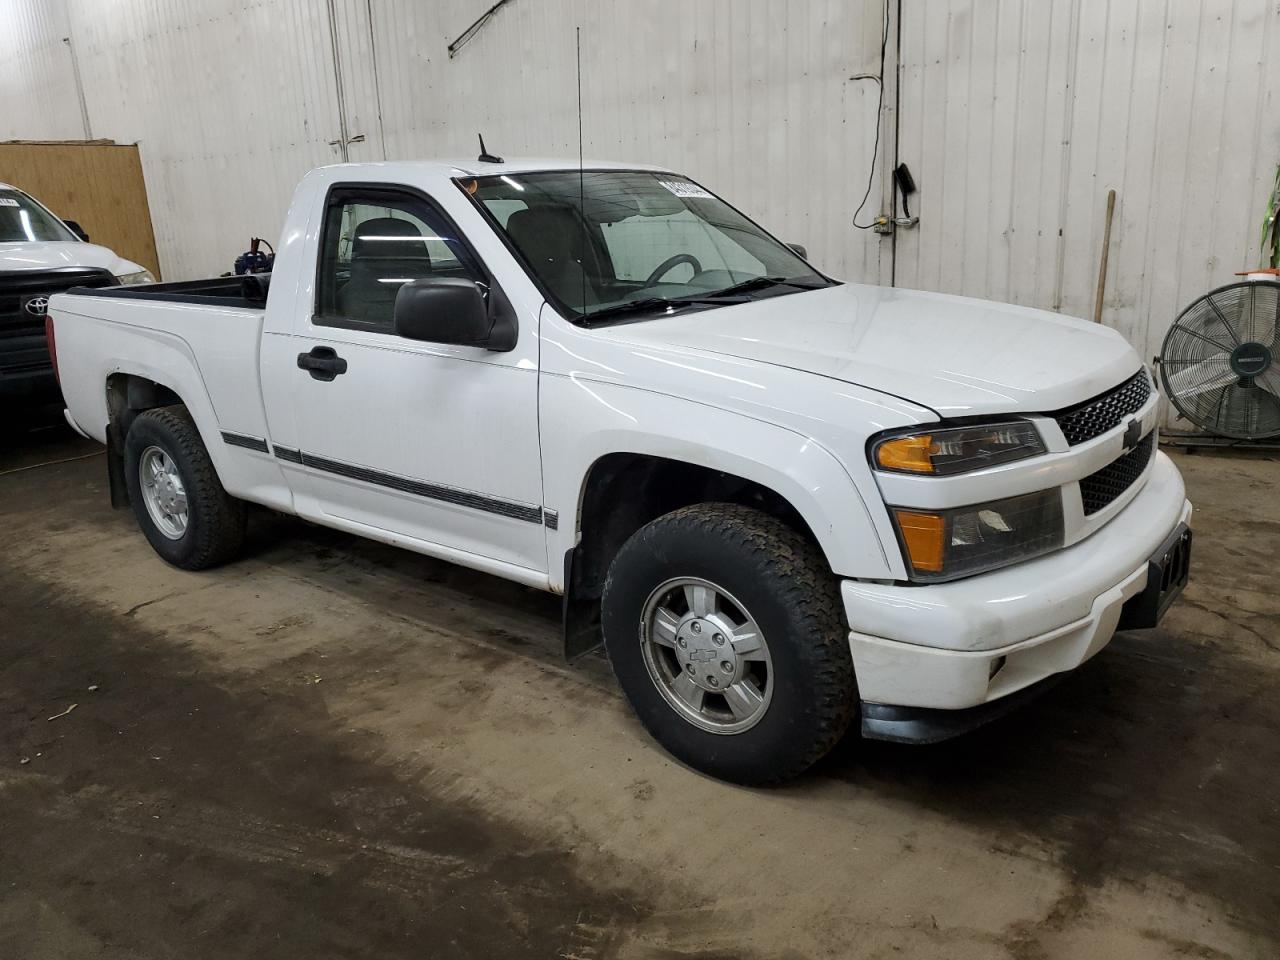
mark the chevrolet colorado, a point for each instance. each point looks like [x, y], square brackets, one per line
[40, 255]
[785, 504]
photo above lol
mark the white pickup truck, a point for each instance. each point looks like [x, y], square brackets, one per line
[784, 503]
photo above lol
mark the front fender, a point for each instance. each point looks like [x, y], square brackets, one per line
[610, 418]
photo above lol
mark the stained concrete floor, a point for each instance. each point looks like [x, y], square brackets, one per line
[336, 749]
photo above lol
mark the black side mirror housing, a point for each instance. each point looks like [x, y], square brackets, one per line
[453, 310]
[799, 250]
[77, 230]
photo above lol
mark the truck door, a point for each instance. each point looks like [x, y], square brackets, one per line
[423, 440]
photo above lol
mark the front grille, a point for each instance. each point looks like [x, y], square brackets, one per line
[22, 343]
[1095, 417]
[1103, 486]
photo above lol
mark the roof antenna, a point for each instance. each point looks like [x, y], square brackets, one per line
[485, 155]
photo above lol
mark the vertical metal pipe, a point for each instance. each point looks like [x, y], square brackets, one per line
[1106, 252]
[84, 106]
[343, 137]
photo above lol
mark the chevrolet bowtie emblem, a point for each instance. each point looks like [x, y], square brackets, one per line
[1132, 434]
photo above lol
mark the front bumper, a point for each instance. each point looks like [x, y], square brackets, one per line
[965, 644]
[28, 386]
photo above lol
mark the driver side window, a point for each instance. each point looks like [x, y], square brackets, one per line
[374, 242]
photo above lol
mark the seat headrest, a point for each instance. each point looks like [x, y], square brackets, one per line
[543, 233]
[387, 237]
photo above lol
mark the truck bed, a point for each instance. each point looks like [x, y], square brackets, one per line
[247, 292]
[198, 339]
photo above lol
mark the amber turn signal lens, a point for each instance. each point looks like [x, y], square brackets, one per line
[906, 453]
[924, 535]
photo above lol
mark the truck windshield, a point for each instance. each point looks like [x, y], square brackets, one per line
[627, 243]
[22, 219]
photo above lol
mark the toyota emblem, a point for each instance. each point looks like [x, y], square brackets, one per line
[37, 306]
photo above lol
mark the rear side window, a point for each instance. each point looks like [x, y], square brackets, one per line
[375, 241]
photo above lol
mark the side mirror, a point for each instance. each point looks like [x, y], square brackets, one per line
[799, 250]
[77, 230]
[443, 310]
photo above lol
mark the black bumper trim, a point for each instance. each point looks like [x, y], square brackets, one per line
[1167, 573]
[883, 721]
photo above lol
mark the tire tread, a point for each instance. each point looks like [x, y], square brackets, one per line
[807, 585]
[218, 519]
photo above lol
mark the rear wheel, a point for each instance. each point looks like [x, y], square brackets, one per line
[181, 506]
[724, 629]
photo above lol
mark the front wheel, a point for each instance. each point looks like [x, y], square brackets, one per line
[180, 504]
[723, 627]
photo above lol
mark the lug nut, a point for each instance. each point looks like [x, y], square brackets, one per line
[680, 642]
[726, 666]
[712, 680]
[689, 667]
[696, 627]
[718, 639]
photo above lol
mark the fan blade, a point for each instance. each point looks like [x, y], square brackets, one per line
[1208, 374]
[1223, 321]
[1269, 380]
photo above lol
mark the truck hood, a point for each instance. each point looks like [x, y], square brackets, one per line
[52, 255]
[955, 355]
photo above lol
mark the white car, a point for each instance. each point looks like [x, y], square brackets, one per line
[40, 255]
[784, 503]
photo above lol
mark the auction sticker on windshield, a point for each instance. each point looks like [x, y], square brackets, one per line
[683, 188]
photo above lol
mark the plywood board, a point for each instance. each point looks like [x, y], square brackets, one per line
[97, 184]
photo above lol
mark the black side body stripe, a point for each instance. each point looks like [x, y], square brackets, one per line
[240, 440]
[432, 491]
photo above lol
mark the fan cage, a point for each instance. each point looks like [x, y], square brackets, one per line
[1202, 361]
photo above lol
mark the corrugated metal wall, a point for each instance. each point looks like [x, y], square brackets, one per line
[1015, 116]
[232, 100]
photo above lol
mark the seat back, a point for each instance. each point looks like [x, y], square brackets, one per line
[385, 254]
[551, 238]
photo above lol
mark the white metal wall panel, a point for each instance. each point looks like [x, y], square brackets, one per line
[754, 98]
[1017, 117]
[231, 100]
[37, 86]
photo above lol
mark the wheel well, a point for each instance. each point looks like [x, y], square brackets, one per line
[625, 491]
[127, 396]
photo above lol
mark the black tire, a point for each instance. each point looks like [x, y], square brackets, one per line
[216, 520]
[795, 600]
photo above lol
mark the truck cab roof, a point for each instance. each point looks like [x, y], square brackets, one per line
[471, 167]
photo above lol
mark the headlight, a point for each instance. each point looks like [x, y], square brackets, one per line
[142, 276]
[953, 450]
[946, 544]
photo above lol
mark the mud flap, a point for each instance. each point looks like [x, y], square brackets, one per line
[115, 470]
[581, 616]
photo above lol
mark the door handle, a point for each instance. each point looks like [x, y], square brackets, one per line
[323, 363]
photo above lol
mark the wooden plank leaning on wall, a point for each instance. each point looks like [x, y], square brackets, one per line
[97, 183]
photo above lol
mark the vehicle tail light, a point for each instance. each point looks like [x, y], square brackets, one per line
[53, 345]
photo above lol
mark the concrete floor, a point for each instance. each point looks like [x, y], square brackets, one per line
[336, 749]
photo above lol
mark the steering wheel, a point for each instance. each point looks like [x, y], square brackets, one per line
[667, 265]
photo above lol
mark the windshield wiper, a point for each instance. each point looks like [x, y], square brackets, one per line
[754, 284]
[712, 298]
[638, 306]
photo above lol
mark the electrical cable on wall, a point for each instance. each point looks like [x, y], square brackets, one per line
[875, 150]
